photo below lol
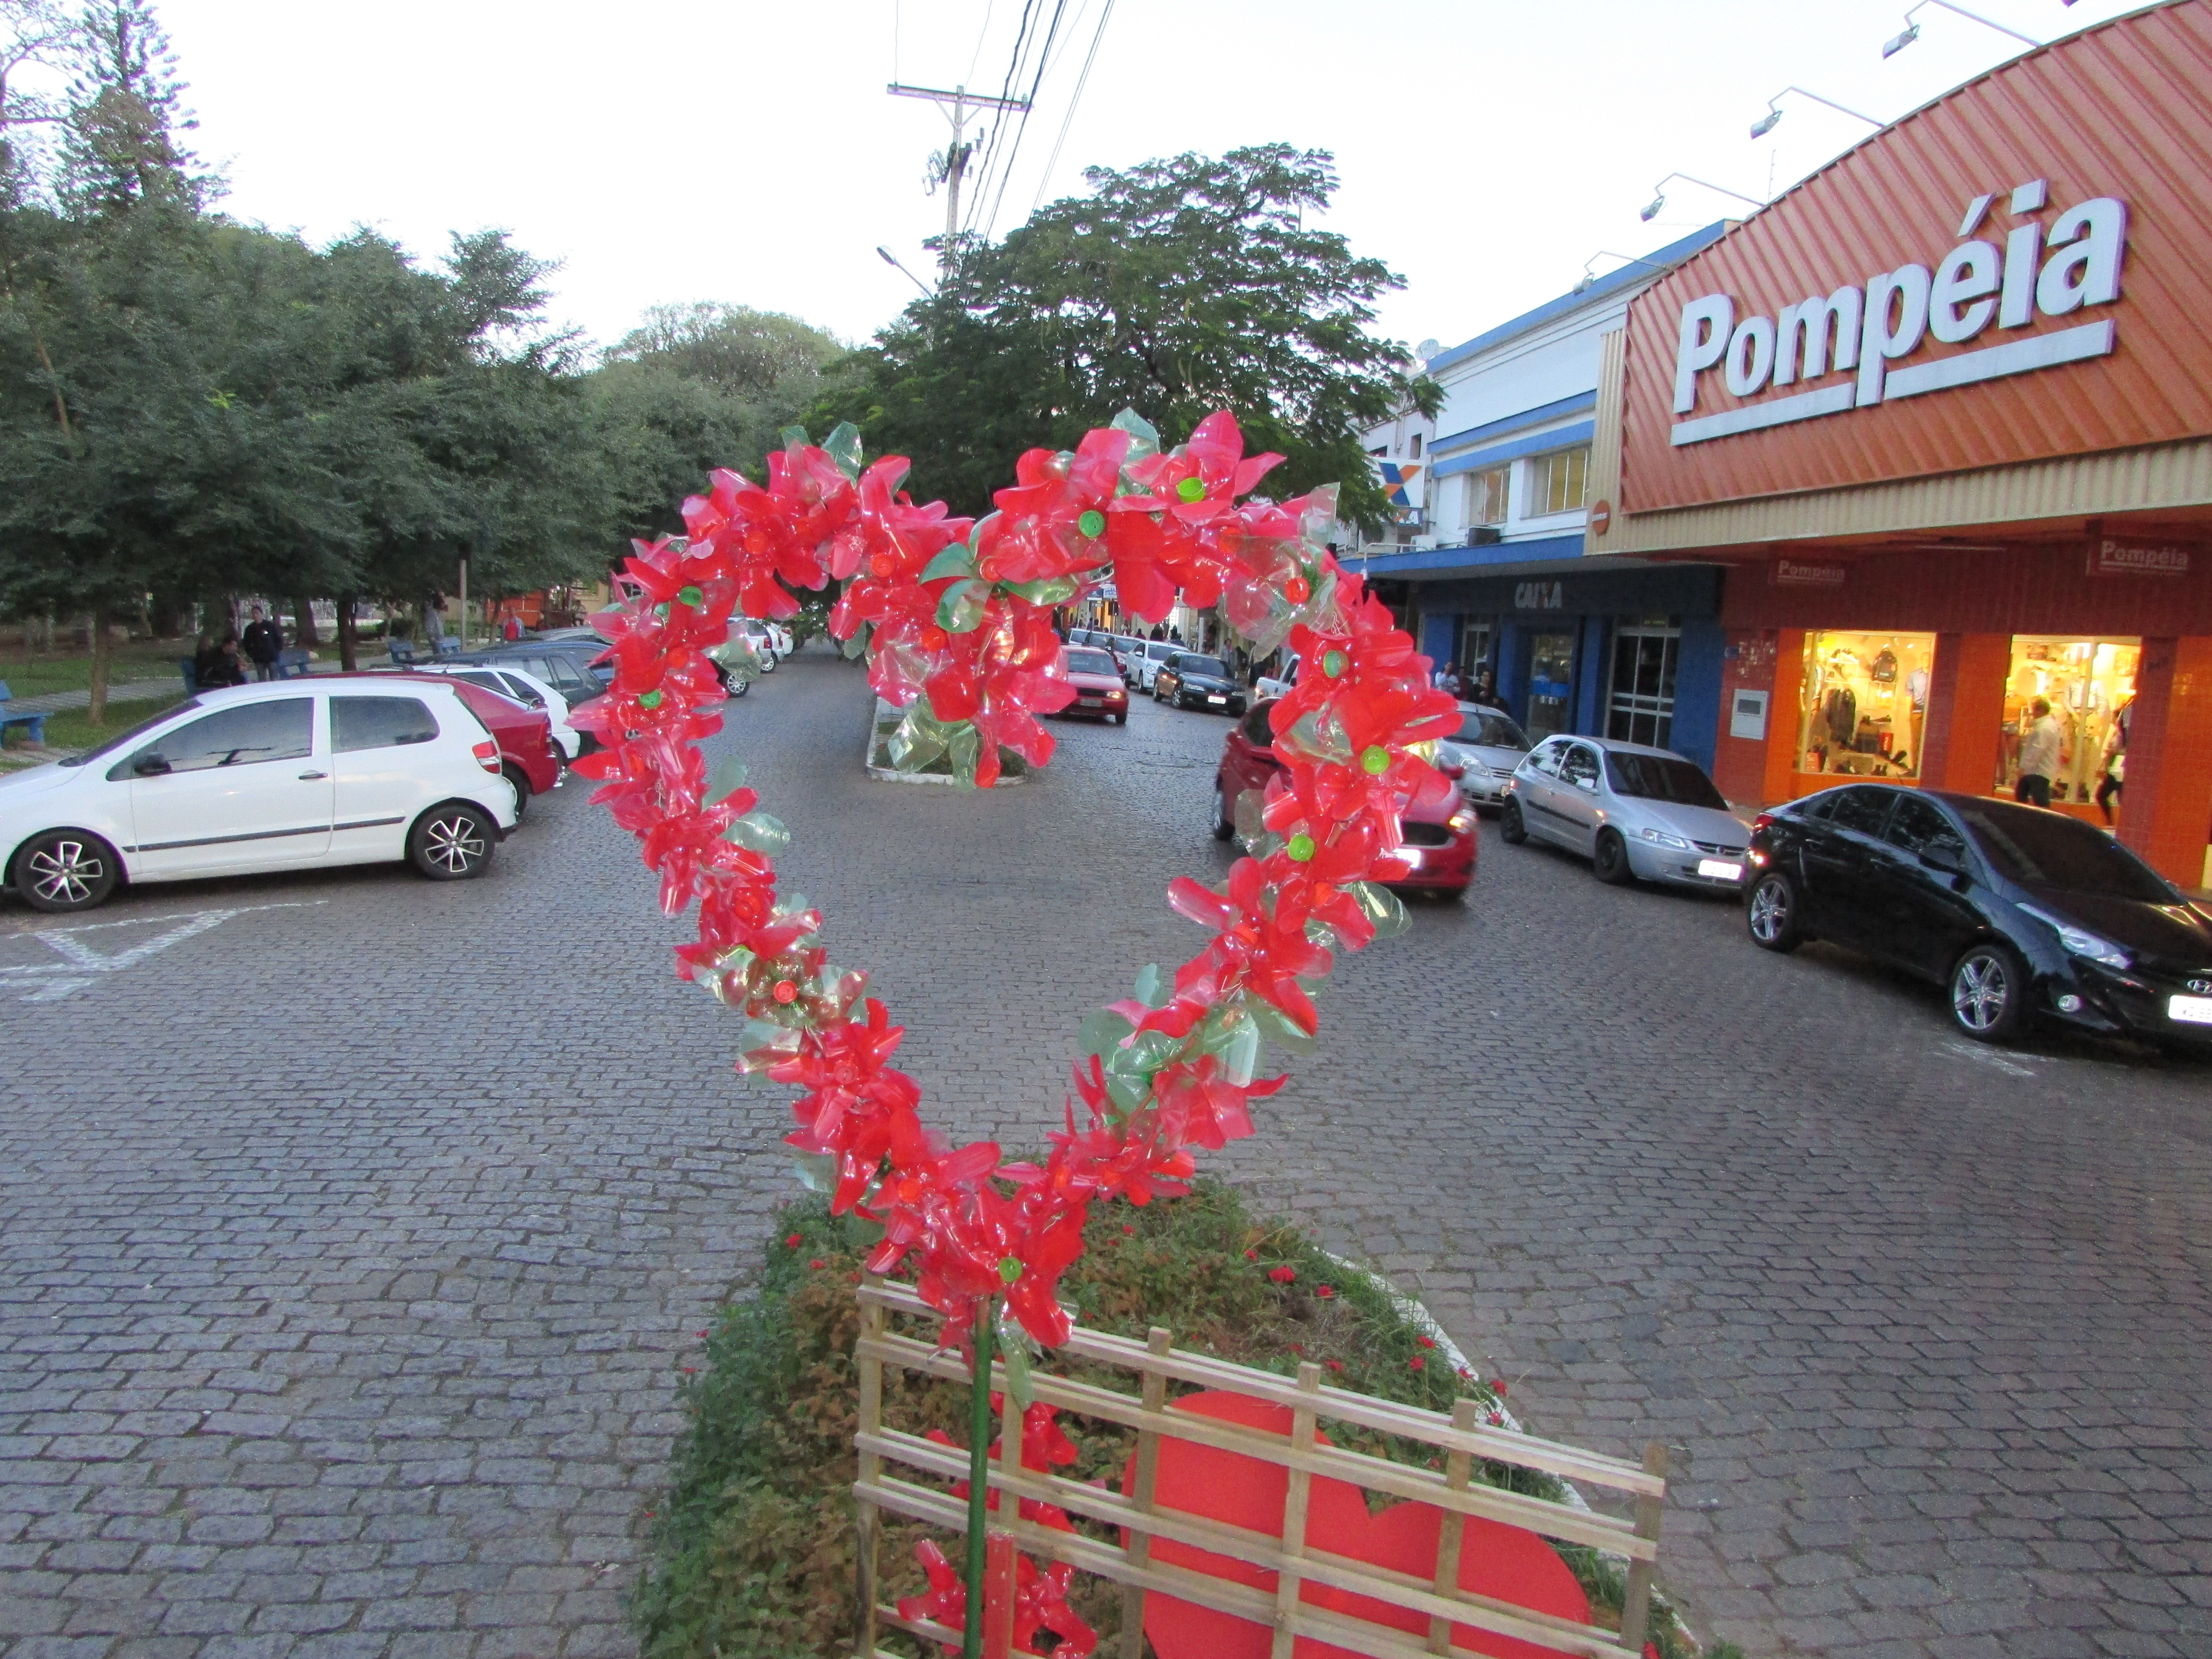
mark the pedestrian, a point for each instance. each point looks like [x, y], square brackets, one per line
[2115, 761]
[221, 663]
[264, 643]
[1484, 689]
[2038, 755]
[511, 629]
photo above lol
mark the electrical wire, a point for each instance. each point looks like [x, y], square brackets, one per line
[1006, 168]
[990, 142]
[1083, 81]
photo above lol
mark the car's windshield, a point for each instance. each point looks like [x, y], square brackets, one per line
[125, 739]
[1158, 650]
[1211, 666]
[2045, 849]
[1490, 732]
[1662, 777]
[1090, 662]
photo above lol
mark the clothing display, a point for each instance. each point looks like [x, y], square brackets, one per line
[2089, 685]
[1862, 703]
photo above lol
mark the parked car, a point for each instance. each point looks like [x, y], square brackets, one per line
[1635, 813]
[528, 759]
[290, 775]
[1275, 684]
[1146, 661]
[524, 687]
[1098, 681]
[1187, 679]
[2023, 915]
[1440, 840]
[1487, 751]
[1128, 651]
[569, 668]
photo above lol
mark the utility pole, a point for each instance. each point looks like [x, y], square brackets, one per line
[958, 104]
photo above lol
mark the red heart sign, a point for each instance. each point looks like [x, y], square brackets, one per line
[1508, 1563]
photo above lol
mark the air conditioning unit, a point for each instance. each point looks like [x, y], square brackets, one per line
[1483, 535]
[1424, 544]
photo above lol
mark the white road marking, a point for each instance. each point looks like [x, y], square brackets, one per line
[86, 964]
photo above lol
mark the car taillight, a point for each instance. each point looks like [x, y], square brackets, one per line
[1761, 821]
[487, 754]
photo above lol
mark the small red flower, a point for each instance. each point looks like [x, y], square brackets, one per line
[1498, 1386]
[1333, 1365]
[1324, 1291]
[817, 1264]
[1282, 1275]
[699, 1332]
[1127, 1231]
[1299, 1349]
[1417, 1363]
[1251, 1255]
[691, 1370]
[1425, 1342]
[792, 1243]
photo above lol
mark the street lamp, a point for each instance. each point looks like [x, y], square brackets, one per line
[891, 259]
[1910, 32]
[1590, 277]
[1659, 194]
[1766, 123]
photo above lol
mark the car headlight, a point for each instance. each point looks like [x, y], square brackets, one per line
[1661, 838]
[1460, 822]
[2080, 941]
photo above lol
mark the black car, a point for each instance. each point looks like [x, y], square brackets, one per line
[1189, 680]
[565, 665]
[2022, 914]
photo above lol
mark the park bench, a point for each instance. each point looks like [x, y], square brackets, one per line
[291, 665]
[33, 723]
[403, 652]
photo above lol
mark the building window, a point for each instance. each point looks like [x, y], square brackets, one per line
[1485, 496]
[1862, 703]
[2090, 686]
[1416, 447]
[1473, 651]
[1642, 709]
[1559, 482]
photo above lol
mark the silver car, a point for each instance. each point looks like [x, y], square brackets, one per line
[1634, 813]
[1487, 751]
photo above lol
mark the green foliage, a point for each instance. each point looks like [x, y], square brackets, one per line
[755, 1547]
[1176, 288]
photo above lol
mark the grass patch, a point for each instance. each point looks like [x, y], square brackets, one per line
[36, 673]
[754, 1547]
[69, 730]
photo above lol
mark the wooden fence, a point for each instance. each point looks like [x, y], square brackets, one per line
[1289, 1556]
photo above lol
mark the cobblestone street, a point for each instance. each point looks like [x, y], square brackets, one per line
[353, 1229]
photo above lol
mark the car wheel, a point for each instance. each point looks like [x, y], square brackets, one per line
[1771, 913]
[452, 843]
[739, 685]
[1223, 825]
[1609, 860]
[513, 774]
[65, 870]
[1511, 830]
[1989, 994]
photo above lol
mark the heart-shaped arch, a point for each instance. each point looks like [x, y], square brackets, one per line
[955, 618]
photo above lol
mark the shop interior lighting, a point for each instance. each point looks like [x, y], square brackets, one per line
[1766, 123]
[1659, 194]
[1898, 43]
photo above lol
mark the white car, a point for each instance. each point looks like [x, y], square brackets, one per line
[1147, 660]
[1275, 686]
[525, 689]
[1487, 750]
[286, 775]
[771, 641]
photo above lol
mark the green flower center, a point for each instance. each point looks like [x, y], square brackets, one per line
[1300, 847]
[692, 597]
[1191, 490]
[1009, 1268]
[1093, 524]
[648, 700]
[1375, 760]
[1332, 664]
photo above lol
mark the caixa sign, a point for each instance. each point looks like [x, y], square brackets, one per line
[1876, 331]
[1540, 596]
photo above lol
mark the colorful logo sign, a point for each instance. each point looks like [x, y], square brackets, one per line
[1402, 483]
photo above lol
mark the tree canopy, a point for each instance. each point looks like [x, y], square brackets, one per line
[1175, 288]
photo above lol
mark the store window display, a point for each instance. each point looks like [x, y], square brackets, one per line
[1863, 703]
[2089, 686]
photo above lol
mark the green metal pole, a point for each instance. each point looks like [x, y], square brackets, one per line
[979, 1477]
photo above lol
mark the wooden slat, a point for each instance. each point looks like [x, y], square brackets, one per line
[1148, 1468]
[869, 1554]
[1538, 1515]
[1261, 1550]
[1296, 1492]
[1459, 1469]
[1636, 1604]
[1378, 1642]
[1497, 1444]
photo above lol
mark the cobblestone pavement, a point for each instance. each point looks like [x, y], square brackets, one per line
[353, 1230]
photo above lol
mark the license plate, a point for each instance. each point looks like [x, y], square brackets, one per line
[1089, 702]
[2190, 1010]
[1720, 870]
[1217, 699]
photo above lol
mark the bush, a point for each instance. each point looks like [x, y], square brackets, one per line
[755, 1554]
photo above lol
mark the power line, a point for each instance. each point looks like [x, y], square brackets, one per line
[1007, 170]
[992, 137]
[1082, 82]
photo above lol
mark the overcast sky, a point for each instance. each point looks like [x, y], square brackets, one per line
[679, 150]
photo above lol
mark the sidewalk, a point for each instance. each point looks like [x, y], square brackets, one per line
[132, 691]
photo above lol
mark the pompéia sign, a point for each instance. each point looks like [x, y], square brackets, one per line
[2020, 271]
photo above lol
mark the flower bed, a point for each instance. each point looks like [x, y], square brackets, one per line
[755, 1549]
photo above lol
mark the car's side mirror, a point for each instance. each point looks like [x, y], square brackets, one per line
[149, 765]
[1948, 856]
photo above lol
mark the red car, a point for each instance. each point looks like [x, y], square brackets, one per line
[1098, 681]
[1440, 840]
[527, 758]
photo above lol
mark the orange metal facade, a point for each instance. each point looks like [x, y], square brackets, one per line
[2121, 111]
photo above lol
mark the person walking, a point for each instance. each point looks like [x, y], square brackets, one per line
[2038, 755]
[511, 629]
[2115, 761]
[264, 643]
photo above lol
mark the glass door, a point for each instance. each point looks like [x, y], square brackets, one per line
[1642, 709]
[1551, 685]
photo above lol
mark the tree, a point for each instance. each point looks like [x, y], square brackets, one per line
[1176, 288]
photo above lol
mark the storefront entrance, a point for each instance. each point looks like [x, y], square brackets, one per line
[1551, 685]
[1641, 708]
